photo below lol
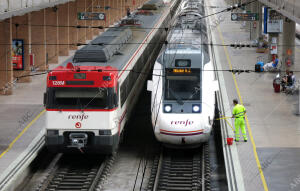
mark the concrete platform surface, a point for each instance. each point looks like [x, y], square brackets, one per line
[269, 160]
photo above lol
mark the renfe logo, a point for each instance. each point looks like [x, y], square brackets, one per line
[186, 123]
[78, 117]
[78, 125]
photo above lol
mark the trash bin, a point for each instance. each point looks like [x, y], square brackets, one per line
[259, 66]
[276, 85]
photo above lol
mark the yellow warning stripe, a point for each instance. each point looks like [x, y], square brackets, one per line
[21, 133]
[247, 122]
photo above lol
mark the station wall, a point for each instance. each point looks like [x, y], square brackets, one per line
[48, 33]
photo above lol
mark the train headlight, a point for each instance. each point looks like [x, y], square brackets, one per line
[168, 108]
[196, 108]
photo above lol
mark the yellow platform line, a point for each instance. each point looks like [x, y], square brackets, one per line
[246, 118]
[21, 133]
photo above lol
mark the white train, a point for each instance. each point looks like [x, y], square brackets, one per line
[183, 84]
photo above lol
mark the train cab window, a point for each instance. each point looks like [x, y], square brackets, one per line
[81, 98]
[183, 84]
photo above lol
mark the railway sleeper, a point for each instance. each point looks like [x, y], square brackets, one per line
[179, 181]
[175, 188]
[77, 180]
[71, 187]
[181, 178]
[178, 175]
[74, 184]
[182, 170]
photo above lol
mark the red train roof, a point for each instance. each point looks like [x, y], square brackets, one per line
[82, 76]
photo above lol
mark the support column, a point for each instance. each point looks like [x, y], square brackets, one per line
[21, 30]
[117, 10]
[248, 23]
[110, 13]
[107, 12]
[6, 69]
[254, 24]
[72, 22]
[131, 4]
[120, 9]
[123, 9]
[260, 21]
[113, 11]
[63, 30]
[101, 10]
[288, 40]
[38, 39]
[96, 22]
[81, 34]
[128, 4]
[89, 31]
[51, 35]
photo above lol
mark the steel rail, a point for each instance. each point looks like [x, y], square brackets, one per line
[182, 170]
[71, 173]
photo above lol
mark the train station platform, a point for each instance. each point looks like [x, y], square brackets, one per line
[270, 158]
[22, 114]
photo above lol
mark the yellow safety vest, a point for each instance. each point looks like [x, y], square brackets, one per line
[239, 111]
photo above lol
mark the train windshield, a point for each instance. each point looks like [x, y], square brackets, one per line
[81, 98]
[183, 84]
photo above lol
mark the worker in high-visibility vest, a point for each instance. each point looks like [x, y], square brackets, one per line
[238, 113]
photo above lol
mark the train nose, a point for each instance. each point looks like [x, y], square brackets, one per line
[182, 140]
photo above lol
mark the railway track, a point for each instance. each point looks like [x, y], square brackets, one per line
[76, 172]
[181, 170]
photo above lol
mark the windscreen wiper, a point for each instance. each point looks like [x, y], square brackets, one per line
[178, 99]
[79, 104]
[196, 90]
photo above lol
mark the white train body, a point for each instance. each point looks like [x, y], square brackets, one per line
[183, 84]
